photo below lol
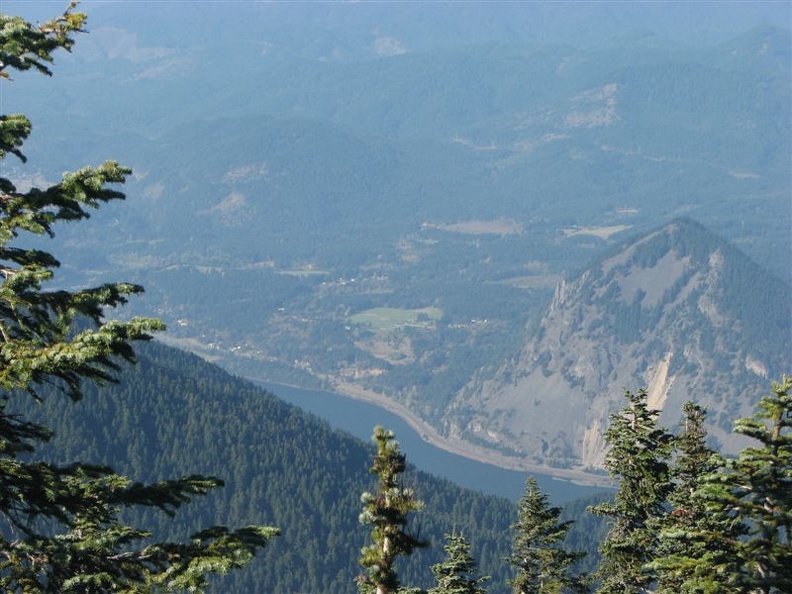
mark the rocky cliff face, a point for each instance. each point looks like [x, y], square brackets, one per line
[678, 311]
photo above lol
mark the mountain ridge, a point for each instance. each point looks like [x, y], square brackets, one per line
[676, 311]
[280, 199]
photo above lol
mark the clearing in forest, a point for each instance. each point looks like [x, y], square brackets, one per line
[384, 319]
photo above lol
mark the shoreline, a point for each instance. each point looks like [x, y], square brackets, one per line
[460, 448]
[428, 433]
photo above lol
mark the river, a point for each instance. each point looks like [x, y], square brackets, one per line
[359, 419]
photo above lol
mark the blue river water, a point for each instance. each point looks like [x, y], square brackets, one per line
[359, 419]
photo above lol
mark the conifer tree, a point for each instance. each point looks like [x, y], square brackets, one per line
[638, 458]
[543, 564]
[457, 574]
[688, 534]
[60, 524]
[751, 498]
[387, 511]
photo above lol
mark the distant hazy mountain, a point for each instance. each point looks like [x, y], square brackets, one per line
[302, 167]
[240, 153]
[678, 311]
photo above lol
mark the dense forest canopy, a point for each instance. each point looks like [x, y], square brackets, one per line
[62, 526]
[90, 426]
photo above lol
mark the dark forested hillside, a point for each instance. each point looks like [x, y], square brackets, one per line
[307, 168]
[365, 203]
[174, 414]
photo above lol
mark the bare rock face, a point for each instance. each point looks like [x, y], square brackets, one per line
[678, 311]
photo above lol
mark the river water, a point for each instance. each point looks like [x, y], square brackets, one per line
[359, 419]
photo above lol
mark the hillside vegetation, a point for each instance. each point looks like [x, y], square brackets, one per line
[173, 414]
[307, 170]
[89, 446]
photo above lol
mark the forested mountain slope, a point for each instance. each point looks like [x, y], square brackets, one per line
[400, 252]
[175, 414]
[678, 310]
[382, 198]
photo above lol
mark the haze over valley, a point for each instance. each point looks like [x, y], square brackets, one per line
[495, 217]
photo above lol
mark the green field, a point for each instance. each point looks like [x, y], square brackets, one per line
[383, 319]
[302, 272]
